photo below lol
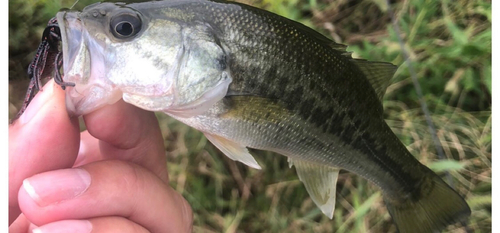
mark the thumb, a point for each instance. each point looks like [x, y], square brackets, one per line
[44, 138]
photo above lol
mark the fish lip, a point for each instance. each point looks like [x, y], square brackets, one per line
[70, 27]
[69, 51]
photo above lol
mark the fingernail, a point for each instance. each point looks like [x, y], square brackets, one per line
[57, 186]
[75, 226]
[36, 104]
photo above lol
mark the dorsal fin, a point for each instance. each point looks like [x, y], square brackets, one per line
[338, 47]
[342, 49]
[379, 74]
[320, 38]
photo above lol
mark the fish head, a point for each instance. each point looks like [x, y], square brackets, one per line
[149, 54]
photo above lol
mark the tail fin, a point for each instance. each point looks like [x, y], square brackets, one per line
[434, 210]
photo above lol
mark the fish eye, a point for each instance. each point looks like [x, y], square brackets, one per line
[125, 26]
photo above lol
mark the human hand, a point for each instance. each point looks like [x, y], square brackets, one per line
[111, 178]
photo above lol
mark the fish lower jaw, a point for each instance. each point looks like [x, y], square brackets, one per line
[83, 101]
[169, 104]
[150, 103]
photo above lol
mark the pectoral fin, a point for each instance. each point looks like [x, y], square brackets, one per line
[233, 150]
[320, 182]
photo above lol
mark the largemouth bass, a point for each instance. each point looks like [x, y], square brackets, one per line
[248, 78]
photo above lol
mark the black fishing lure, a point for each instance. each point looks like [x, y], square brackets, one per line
[48, 58]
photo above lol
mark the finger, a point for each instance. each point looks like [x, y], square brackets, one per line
[95, 225]
[105, 188]
[89, 150]
[44, 138]
[21, 224]
[129, 133]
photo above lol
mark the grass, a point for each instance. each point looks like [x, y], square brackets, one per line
[449, 43]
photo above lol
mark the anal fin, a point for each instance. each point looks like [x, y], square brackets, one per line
[320, 181]
[233, 150]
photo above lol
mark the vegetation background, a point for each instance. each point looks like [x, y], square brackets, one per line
[449, 43]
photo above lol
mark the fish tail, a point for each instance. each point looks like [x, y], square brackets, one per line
[436, 206]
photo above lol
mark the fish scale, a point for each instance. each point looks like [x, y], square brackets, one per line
[270, 86]
[248, 78]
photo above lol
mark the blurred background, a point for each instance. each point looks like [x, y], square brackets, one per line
[449, 44]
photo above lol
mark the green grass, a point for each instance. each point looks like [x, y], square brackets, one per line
[449, 43]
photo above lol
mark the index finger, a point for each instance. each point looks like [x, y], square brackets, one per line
[129, 133]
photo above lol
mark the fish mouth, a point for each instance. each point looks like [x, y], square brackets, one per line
[83, 64]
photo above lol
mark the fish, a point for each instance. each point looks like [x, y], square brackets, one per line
[248, 78]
